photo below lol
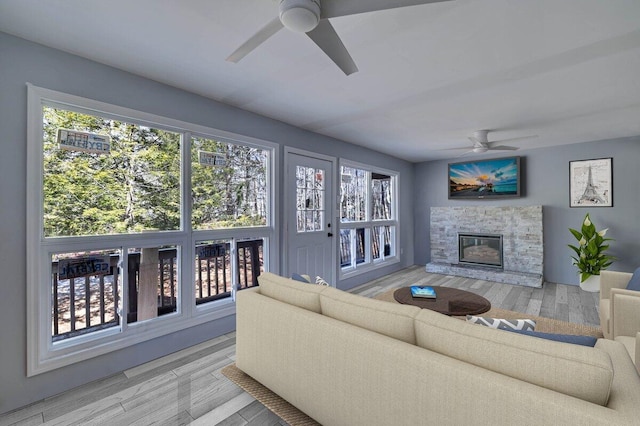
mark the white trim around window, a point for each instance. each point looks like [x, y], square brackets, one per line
[45, 355]
[368, 225]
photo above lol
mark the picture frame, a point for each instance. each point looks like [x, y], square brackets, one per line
[486, 179]
[591, 183]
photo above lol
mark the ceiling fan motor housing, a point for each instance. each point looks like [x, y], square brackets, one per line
[481, 135]
[300, 16]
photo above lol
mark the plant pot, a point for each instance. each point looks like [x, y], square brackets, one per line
[591, 284]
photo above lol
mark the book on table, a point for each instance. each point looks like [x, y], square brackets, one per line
[424, 292]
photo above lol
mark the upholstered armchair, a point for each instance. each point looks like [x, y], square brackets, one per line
[620, 311]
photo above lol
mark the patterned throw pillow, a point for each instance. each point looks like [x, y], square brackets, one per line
[321, 281]
[301, 278]
[503, 324]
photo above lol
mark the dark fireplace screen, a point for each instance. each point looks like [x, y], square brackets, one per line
[480, 249]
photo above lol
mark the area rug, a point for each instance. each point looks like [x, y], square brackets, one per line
[545, 325]
[273, 402]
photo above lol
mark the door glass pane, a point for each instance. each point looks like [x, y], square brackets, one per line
[130, 184]
[310, 199]
[228, 185]
[85, 291]
[152, 282]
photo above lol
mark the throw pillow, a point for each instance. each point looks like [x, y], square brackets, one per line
[298, 277]
[565, 338]
[634, 282]
[321, 281]
[503, 324]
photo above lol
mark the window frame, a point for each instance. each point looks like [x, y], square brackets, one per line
[42, 354]
[369, 224]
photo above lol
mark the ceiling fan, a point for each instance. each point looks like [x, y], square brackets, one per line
[312, 17]
[480, 141]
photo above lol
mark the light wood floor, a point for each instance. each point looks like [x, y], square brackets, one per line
[559, 301]
[188, 388]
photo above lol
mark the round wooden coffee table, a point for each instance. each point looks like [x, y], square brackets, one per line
[448, 301]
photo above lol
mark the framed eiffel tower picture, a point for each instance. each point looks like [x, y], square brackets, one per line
[591, 183]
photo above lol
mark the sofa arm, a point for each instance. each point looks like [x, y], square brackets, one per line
[625, 312]
[612, 279]
[637, 360]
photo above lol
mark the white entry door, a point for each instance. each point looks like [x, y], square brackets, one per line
[309, 214]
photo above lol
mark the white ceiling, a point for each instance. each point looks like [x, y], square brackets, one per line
[565, 70]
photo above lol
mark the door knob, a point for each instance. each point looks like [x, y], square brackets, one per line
[329, 234]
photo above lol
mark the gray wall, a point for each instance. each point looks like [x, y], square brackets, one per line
[546, 183]
[23, 62]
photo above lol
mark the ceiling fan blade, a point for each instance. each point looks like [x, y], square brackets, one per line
[325, 36]
[503, 148]
[452, 149]
[256, 40]
[516, 139]
[335, 8]
[465, 153]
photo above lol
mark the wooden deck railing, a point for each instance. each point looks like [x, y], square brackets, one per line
[87, 304]
[93, 299]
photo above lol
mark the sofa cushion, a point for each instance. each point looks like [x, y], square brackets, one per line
[634, 282]
[604, 308]
[503, 324]
[290, 291]
[629, 344]
[391, 319]
[579, 371]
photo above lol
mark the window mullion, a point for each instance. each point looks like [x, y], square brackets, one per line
[368, 197]
[186, 289]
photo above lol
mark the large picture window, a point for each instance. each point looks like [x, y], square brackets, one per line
[134, 186]
[368, 221]
[138, 225]
[231, 193]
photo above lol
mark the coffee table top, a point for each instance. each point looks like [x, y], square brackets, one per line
[448, 301]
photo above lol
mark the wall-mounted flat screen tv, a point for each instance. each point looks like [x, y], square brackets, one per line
[485, 179]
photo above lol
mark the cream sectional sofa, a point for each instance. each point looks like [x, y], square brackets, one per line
[620, 312]
[345, 359]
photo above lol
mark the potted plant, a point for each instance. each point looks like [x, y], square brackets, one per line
[590, 254]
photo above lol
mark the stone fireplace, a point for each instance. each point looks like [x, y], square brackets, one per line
[502, 244]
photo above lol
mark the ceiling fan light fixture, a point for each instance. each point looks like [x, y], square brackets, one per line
[300, 16]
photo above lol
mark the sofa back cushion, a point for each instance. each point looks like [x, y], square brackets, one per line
[286, 290]
[391, 319]
[578, 371]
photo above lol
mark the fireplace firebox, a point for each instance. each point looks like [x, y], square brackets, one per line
[480, 249]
